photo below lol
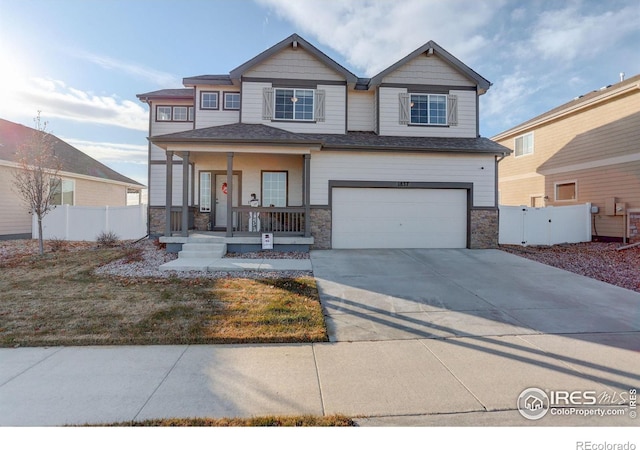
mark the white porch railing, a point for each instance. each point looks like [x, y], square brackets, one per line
[280, 221]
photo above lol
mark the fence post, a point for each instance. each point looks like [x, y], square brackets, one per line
[66, 222]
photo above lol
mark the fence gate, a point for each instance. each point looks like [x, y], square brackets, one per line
[522, 225]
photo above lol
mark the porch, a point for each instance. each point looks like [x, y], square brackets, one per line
[236, 244]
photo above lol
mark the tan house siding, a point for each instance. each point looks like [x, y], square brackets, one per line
[427, 70]
[597, 146]
[14, 218]
[215, 117]
[361, 111]
[92, 193]
[296, 64]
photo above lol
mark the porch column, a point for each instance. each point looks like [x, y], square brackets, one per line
[185, 194]
[168, 194]
[230, 188]
[306, 180]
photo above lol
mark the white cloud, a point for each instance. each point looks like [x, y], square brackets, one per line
[574, 32]
[373, 34]
[24, 96]
[157, 77]
[111, 152]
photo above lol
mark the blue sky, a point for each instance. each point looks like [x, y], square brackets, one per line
[82, 62]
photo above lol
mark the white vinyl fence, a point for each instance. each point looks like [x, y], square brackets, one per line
[522, 225]
[85, 223]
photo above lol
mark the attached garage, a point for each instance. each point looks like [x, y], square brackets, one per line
[383, 217]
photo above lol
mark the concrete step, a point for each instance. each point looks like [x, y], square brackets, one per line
[193, 250]
[206, 239]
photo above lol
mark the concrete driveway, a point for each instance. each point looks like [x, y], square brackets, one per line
[377, 295]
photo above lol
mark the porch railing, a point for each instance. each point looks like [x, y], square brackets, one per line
[176, 218]
[282, 221]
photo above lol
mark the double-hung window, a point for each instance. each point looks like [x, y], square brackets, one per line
[274, 189]
[231, 100]
[428, 109]
[62, 191]
[208, 100]
[163, 113]
[205, 191]
[524, 145]
[180, 113]
[294, 104]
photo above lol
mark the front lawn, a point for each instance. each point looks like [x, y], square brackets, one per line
[58, 300]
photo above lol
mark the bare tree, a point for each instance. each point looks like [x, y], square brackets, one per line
[36, 178]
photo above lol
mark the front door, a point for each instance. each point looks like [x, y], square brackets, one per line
[220, 195]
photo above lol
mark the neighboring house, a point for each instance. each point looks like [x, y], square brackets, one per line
[585, 151]
[335, 160]
[84, 181]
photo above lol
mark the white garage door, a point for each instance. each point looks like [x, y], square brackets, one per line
[399, 218]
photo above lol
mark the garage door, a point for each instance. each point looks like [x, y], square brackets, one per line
[399, 218]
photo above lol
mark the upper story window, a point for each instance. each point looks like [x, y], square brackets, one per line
[208, 100]
[174, 113]
[428, 109]
[293, 104]
[163, 113]
[524, 145]
[231, 100]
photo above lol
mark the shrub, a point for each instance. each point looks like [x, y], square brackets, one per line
[57, 244]
[107, 239]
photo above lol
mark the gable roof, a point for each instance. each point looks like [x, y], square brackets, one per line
[578, 103]
[293, 40]
[72, 160]
[431, 46]
[214, 80]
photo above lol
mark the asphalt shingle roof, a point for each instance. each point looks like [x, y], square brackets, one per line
[72, 160]
[353, 140]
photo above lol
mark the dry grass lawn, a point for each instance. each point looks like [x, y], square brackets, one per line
[57, 300]
[266, 421]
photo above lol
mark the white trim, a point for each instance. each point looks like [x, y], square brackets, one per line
[428, 122]
[78, 176]
[555, 190]
[515, 145]
[592, 164]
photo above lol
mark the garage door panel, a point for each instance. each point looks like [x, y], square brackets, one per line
[399, 218]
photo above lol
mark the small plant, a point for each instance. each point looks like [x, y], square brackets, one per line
[133, 255]
[57, 244]
[107, 239]
[159, 245]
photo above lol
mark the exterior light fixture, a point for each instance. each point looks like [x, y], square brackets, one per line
[294, 99]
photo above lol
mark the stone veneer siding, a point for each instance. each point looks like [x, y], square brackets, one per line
[156, 221]
[201, 220]
[484, 228]
[321, 228]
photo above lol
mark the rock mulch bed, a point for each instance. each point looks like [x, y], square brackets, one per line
[599, 260]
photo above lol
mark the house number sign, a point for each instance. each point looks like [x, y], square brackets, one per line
[402, 184]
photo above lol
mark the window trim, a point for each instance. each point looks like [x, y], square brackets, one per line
[293, 119]
[170, 119]
[286, 191]
[190, 111]
[217, 94]
[560, 183]
[211, 181]
[62, 180]
[224, 100]
[515, 145]
[429, 123]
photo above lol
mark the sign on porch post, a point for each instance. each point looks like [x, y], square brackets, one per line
[267, 241]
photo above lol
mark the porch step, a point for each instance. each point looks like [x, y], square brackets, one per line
[193, 250]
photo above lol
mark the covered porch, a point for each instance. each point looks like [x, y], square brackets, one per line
[238, 188]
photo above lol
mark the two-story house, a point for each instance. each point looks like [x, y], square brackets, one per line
[292, 143]
[584, 151]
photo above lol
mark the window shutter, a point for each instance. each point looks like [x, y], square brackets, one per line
[405, 111]
[319, 106]
[452, 114]
[267, 103]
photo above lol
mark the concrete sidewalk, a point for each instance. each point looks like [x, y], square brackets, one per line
[455, 381]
